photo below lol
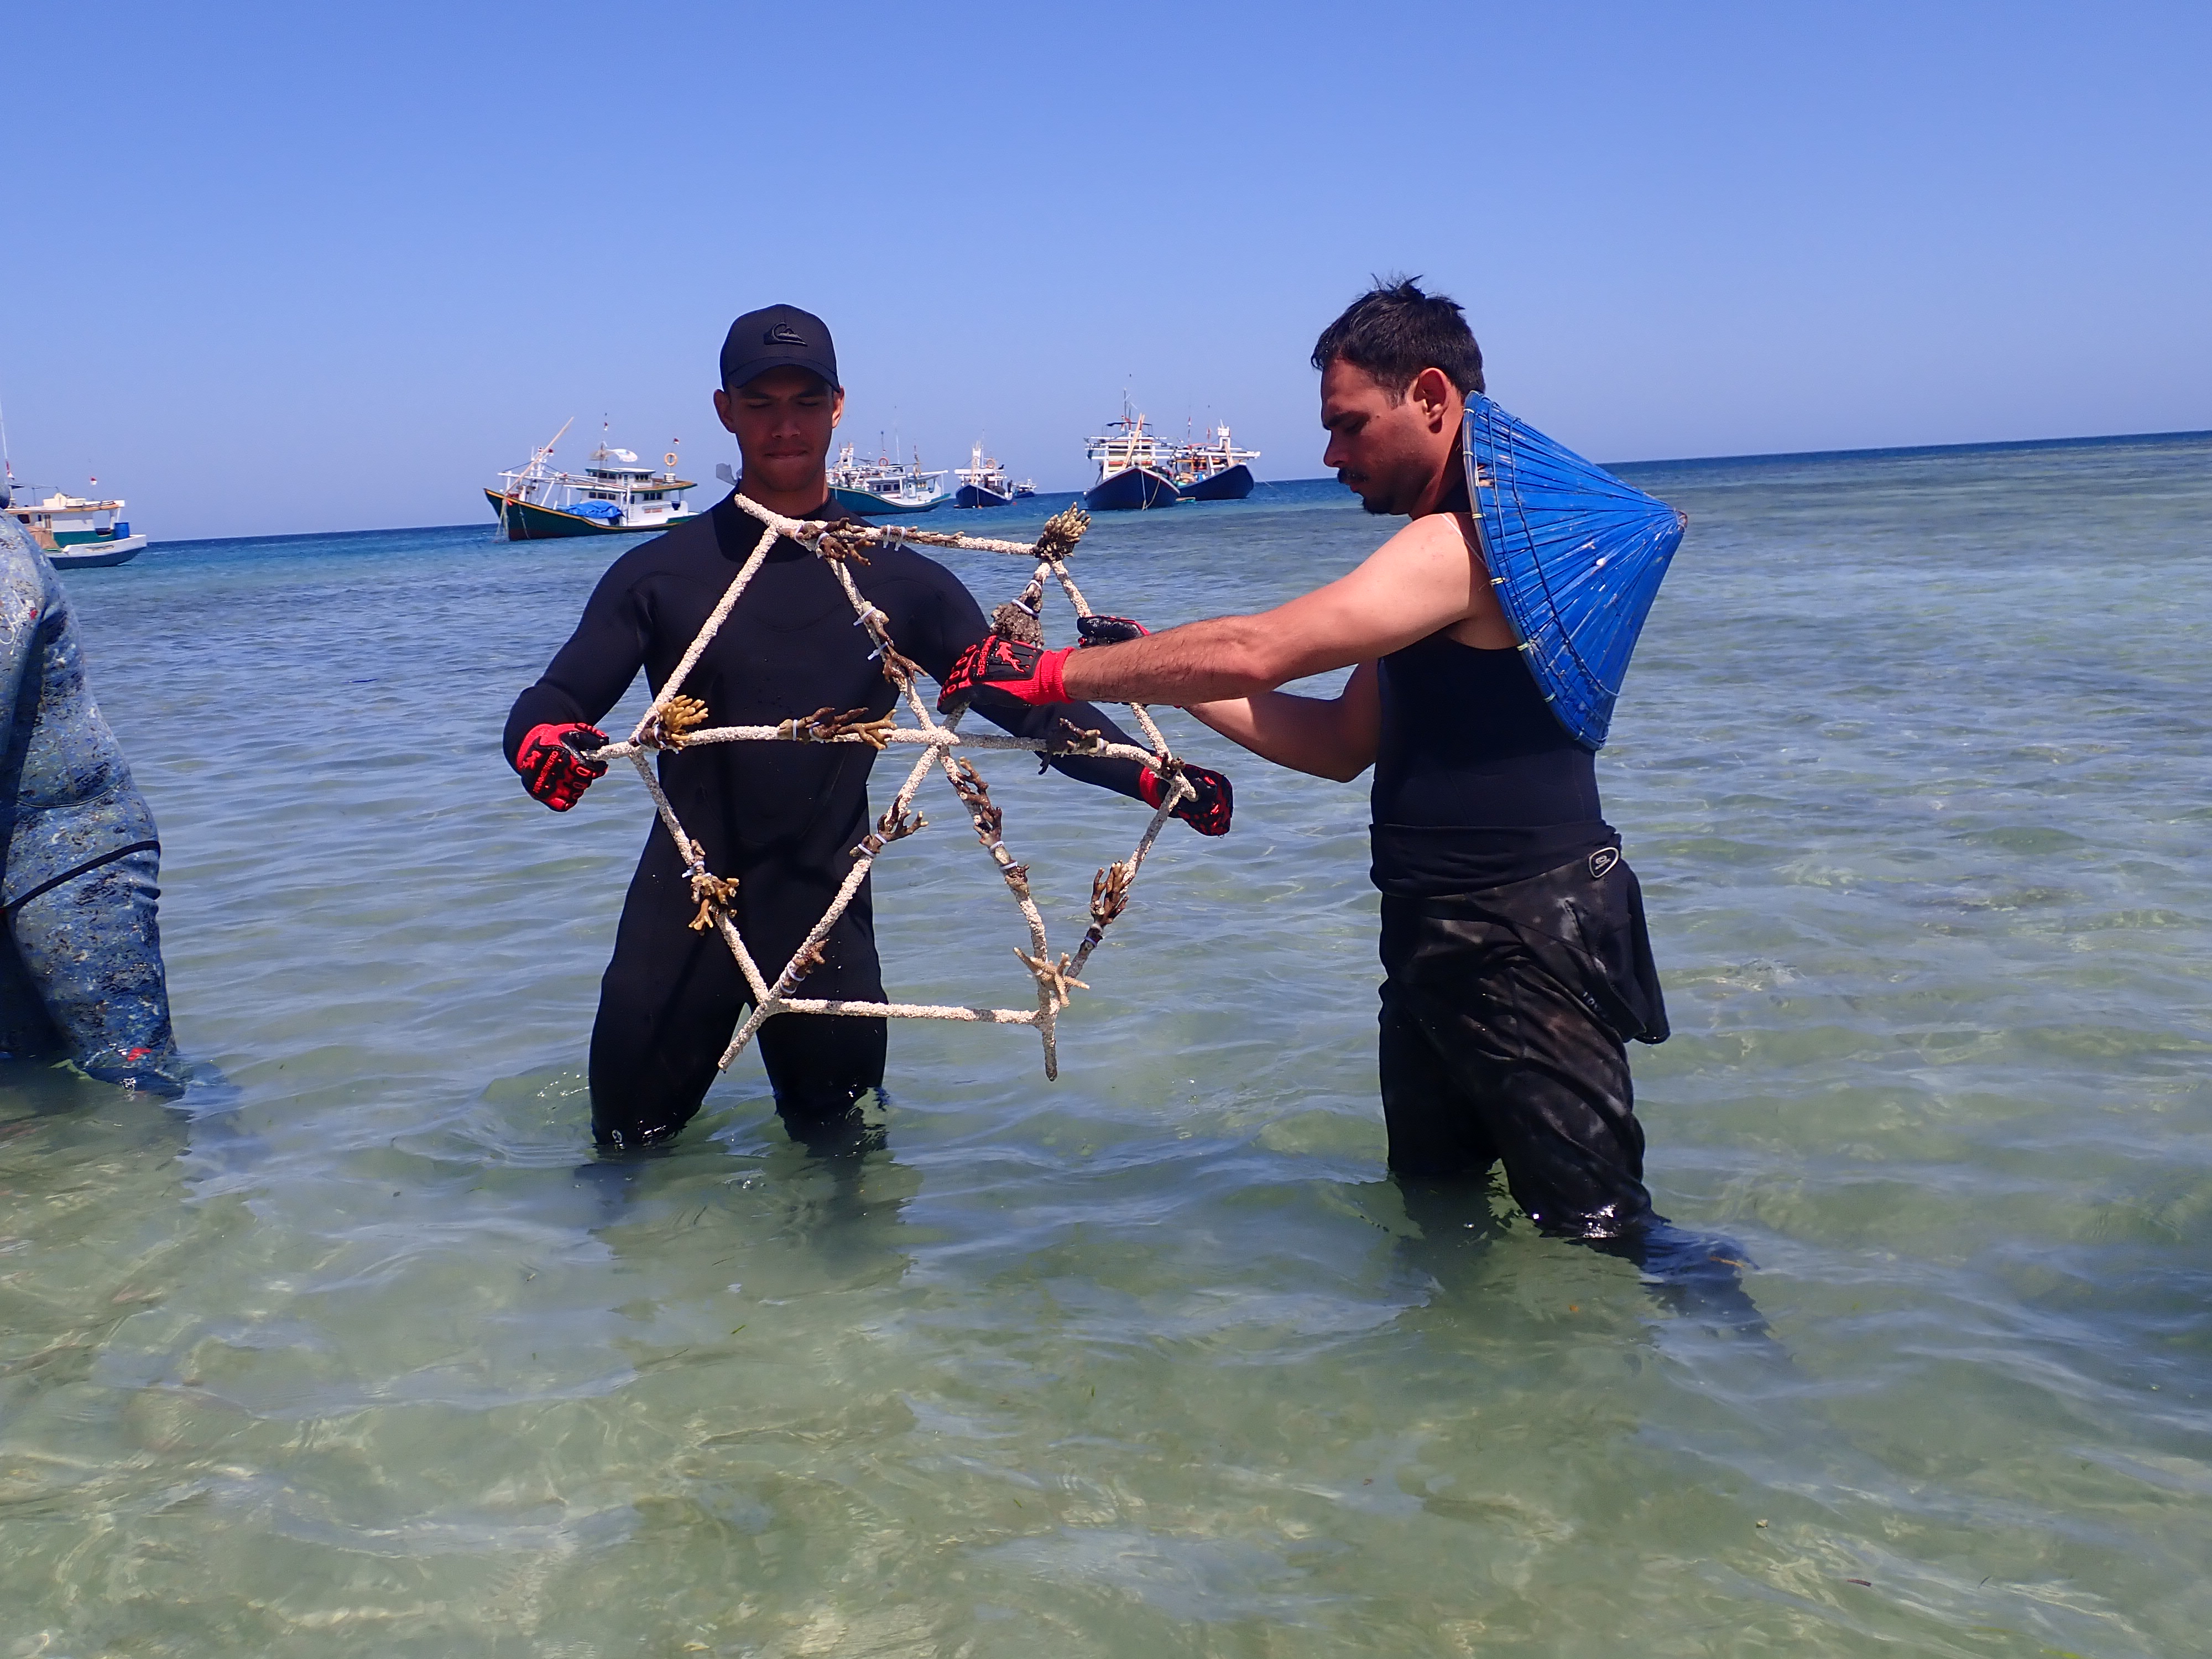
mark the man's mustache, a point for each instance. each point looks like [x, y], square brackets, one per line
[1353, 481]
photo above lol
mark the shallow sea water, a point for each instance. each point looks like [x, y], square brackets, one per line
[364, 1354]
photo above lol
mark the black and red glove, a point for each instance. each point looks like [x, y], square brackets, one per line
[1110, 631]
[1028, 673]
[1208, 812]
[556, 761]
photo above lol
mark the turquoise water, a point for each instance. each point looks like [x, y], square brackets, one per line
[364, 1356]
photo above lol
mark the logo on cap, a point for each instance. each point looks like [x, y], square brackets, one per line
[783, 334]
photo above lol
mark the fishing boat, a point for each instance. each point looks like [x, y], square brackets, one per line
[76, 532]
[615, 495]
[1215, 470]
[1135, 467]
[984, 482]
[884, 486]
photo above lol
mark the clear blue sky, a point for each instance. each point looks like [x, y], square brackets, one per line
[277, 268]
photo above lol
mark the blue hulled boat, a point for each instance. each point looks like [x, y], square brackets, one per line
[1136, 469]
[1215, 471]
[984, 482]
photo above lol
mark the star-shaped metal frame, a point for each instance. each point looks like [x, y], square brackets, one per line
[677, 721]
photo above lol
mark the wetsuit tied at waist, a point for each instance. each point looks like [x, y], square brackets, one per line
[1516, 961]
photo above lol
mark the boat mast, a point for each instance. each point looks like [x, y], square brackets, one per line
[546, 453]
[537, 471]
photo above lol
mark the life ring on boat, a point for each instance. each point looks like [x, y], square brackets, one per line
[669, 460]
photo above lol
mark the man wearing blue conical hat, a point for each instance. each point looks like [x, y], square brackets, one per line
[1486, 640]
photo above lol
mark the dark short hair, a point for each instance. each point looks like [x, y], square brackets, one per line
[1394, 332]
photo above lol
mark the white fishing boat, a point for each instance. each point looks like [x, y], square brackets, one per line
[615, 495]
[984, 482]
[74, 531]
[880, 488]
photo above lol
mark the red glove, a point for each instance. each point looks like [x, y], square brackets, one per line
[1027, 673]
[1208, 812]
[556, 762]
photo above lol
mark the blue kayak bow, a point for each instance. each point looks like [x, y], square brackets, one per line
[1576, 557]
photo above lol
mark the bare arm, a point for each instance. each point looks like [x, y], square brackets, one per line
[1328, 737]
[1425, 577]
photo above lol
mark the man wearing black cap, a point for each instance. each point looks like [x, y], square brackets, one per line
[783, 818]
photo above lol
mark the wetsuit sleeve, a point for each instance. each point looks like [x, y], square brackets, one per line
[955, 621]
[589, 674]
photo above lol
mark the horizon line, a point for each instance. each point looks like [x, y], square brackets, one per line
[1671, 460]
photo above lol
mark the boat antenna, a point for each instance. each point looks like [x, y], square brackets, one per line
[7, 466]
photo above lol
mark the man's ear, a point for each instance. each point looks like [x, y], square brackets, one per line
[837, 407]
[1433, 394]
[726, 408]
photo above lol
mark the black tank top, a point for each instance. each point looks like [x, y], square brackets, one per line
[1476, 781]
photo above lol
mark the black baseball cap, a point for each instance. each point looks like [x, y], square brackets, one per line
[777, 336]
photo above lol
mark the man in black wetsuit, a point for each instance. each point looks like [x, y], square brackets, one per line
[783, 818]
[1513, 936]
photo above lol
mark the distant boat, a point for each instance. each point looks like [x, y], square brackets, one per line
[1215, 471]
[876, 488]
[1135, 467]
[614, 495]
[983, 482]
[75, 532]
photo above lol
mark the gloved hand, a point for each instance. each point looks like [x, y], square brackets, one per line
[1110, 631]
[1030, 673]
[1208, 812]
[556, 761]
[1027, 673]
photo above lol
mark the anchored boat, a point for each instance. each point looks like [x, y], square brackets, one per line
[1136, 468]
[1215, 470]
[984, 482]
[75, 532]
[614, 495]
[876, 489]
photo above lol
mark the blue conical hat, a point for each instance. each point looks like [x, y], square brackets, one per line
[1576, 557]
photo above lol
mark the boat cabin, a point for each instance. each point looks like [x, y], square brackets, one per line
[65, 520]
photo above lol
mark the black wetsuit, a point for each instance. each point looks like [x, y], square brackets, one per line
[1513, 940]
[783, 818]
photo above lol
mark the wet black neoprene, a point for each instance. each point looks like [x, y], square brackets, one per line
[783, 818]
[1517, 964]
